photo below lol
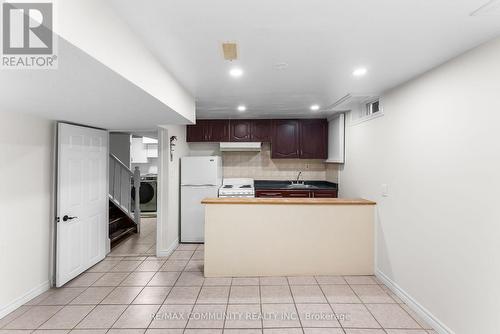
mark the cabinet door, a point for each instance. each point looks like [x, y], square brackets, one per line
[285, 143]
[313, 139]
[197, 132]
[218, 130]
[261, 130]
[240, 130]
[138, 152]
[324, 194]
[297, 193]
[268, 193]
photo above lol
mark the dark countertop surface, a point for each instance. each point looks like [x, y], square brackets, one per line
[286, 185]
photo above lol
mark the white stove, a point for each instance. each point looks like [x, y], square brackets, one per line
[237, 188]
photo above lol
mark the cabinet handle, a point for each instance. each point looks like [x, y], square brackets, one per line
[270, 194]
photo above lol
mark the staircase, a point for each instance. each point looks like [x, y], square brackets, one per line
[124, 213]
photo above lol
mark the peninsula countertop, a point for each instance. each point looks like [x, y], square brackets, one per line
[289, 201]
[248, 237]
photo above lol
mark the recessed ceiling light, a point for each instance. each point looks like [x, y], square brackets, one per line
[314, 107]
[242, 108]
[359, 72]
[236, 72]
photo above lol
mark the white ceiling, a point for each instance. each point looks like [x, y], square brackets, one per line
[322, 41]
[83, 91]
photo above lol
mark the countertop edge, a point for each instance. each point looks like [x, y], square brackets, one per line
[288, 201]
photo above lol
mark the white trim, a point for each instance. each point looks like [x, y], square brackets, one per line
[169, 250]
[366, 118]
[35, 292]
[161, 186]
[108, 239]
[425, 314]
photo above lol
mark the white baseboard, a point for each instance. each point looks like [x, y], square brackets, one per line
[36, 291]
[414, 305]
[169, 250]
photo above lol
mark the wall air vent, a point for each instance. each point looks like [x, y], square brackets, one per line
[492, 7]
[230, 51]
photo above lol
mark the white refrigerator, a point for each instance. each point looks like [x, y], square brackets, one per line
[201, 177]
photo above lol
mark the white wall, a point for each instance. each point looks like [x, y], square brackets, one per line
[118, 47]
[26, 151]
[169, 188]
[438, 149]
[150, 167]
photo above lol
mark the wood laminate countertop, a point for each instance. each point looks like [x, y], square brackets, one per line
[309, 201]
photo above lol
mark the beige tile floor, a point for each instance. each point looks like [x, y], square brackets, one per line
[121, 294]
[143, 243]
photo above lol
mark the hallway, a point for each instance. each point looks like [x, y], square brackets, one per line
[141, 244]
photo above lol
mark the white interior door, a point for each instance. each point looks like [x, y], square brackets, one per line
[82, 200]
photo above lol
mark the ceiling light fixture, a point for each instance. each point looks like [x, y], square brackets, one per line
[359, 72]
[242, 108]
[236, 72]
[314, 107]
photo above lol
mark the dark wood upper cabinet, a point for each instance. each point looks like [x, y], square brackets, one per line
[313, 139]
[240, 130]
[285, 139]
[208, 131]
[218, 130]
[261, 130]
[258, 130]
[197, 132]
[290, 138]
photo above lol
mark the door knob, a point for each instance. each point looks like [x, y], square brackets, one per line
[66, 218]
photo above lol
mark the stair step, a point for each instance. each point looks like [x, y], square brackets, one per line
[113, 220]
[121, 233]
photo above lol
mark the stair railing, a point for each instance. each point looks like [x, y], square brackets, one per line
[121, 179]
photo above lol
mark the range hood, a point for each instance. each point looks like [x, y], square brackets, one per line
[241, 147]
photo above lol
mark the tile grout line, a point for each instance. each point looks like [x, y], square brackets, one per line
[126, 308]
[228, 299]
[364, 305]
[68, 304]
[198, 296]
[74, 327]
[118, 284]
[295, 304]
[260, 307]
[381, 285]
[329, 305]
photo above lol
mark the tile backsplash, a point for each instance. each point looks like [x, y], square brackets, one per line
[260, 166]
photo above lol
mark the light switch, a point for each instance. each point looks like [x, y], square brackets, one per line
[385, 190]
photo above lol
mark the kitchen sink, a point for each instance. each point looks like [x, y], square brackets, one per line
[301, 186]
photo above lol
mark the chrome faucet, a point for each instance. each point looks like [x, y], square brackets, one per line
[297, 179]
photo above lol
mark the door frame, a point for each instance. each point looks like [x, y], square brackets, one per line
[162, 189]
[53, 258]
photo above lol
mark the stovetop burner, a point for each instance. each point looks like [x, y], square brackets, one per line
[237, 187]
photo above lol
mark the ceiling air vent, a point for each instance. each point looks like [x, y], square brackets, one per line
[490, 8]
[230, 51]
